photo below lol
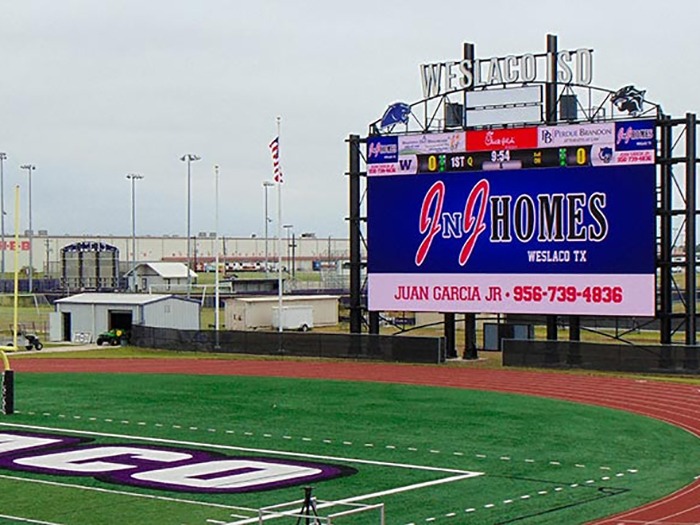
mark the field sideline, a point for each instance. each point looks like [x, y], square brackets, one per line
[672, 403]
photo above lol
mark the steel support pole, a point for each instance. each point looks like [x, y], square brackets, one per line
[665, 205]
[355, 247]
[470, 351]
[450, 350]
[574, 328]
[468, 54]
[550, 108]
[690, 229]
[551, 114]
[373, 322]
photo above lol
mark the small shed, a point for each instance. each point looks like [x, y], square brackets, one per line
[159, 276]
[253, 313]
[80, 318]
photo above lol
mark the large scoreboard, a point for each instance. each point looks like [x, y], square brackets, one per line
[542, 219]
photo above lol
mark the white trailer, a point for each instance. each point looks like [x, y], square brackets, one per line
[255, 312]
[294, 318]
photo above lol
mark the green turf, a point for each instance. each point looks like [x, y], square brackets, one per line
[544, 461]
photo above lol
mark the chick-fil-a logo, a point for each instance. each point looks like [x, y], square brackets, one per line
[472, 219]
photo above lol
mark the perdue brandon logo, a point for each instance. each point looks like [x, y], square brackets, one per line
[162, 468]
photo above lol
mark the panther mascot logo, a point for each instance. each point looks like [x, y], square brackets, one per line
[396, 113]
[629, 99]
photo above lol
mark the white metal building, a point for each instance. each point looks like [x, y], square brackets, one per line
[251, 313]
[80, 318]
[159, 276]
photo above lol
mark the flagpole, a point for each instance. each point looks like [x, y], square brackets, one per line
[280, 291]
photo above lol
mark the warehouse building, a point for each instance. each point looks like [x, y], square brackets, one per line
[80, 318]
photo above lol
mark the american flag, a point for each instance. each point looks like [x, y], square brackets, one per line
[275, 150]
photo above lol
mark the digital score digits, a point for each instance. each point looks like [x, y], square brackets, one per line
[505, 159]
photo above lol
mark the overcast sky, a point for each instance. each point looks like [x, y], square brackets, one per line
[92, 90]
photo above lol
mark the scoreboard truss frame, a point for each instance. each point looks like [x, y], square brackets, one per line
[676, 210]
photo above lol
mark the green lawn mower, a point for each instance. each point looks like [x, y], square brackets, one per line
[113, 337]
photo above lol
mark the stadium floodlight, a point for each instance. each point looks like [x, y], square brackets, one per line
[189, 158]
[30, 168]
[133, 177]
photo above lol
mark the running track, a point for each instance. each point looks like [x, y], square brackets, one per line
[674, 403]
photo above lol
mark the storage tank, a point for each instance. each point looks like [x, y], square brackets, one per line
[90, 266]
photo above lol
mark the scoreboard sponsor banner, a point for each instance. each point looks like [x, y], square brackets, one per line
[382, 150]
[576, 135]
[528, 293]
[498, 139]
[627, 142]
[634, 136]
[561, 230]
[433, 143]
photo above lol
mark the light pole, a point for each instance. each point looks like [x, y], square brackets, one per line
[133, 177]
[3, 158]
[189, 158]
[288, 227]
[294, 248]
[216, 274]
[266, 184]
[30, 168]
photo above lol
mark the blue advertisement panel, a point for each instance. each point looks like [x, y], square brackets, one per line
[563, 240]
[518, 221]
[382, 149]
[634, 135]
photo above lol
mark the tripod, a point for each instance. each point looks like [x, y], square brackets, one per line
[308, 509]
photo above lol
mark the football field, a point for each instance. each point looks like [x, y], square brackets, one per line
[201, 449]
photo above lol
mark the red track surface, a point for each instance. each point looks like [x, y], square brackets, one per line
[674, 403]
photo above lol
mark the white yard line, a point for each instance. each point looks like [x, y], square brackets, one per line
[27, 520]
[308, 439]
[345, 501]
[398, 490]
[124, 493]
